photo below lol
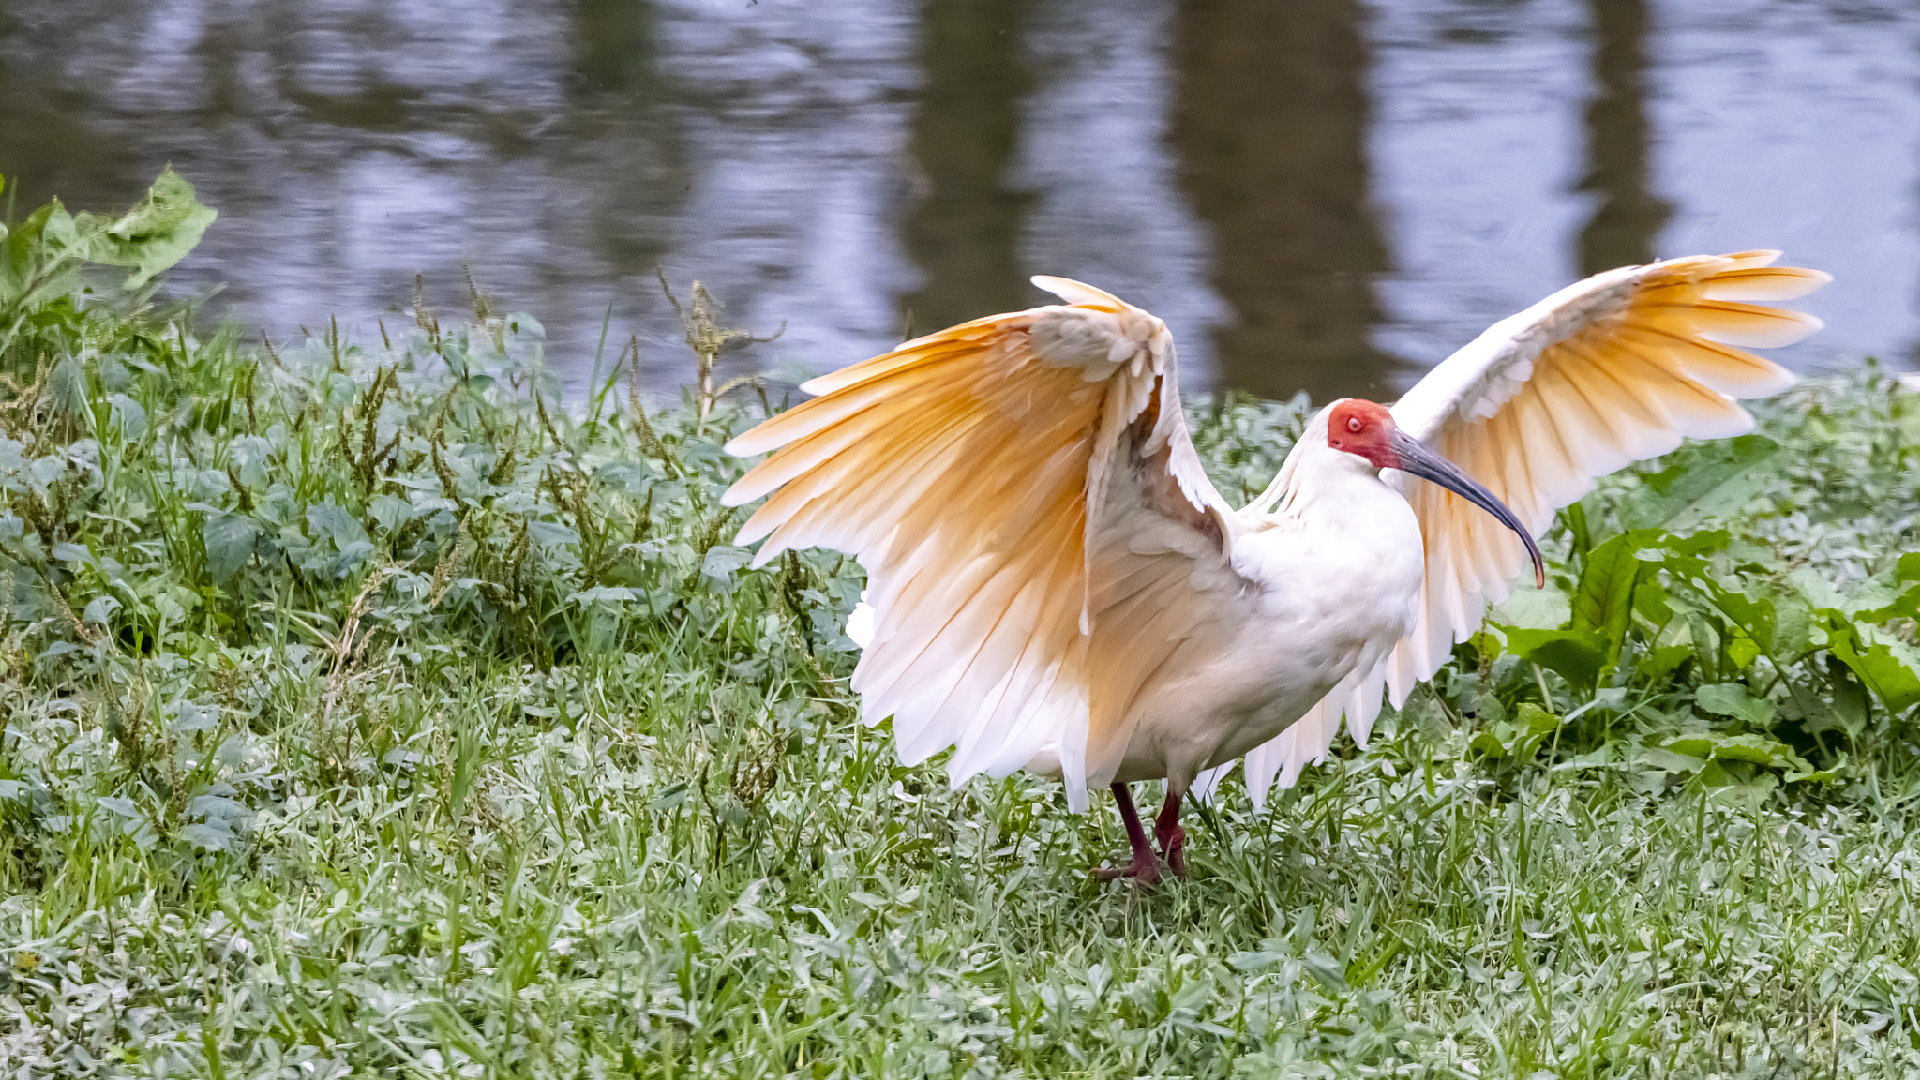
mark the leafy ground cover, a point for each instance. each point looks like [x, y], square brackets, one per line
[364, 711]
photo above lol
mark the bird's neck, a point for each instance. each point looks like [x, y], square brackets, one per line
[1316, 480]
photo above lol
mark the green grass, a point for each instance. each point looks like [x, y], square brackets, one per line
[366, 713]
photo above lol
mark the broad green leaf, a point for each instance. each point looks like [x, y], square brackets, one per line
[390, 512]
[1735, 700]
[77, 554]
[1792, 625]
[1663, 661]
[1818, 591]
[129, 417]
[124, 807]
[352, 556]
[1325, 970]
[1752, 614]
[157, 233]
[192, 717]
[252, 456]
[721, 561]
[1254, 961]
[1488, 742]
[1533, 607]
[1755, 749]
[1576, 655]
[1650, 601]
[1684, 548]
[1701, 481]
[1519, 737]
[1697, 746]
[1603, 602]
[1908, 568]
[215, 835]
[1670, 761]
[673, 796]
[100, 610]
[219, 808]
[1751, 748]
[113, 373]
[1890, 669]
[67, 387]
[229, 540]
[1888, 595]
[326, 519]
[38, 263]
[61, 233]
[1850, 707]
[603, 594]
[1820, 776]
[550, 533]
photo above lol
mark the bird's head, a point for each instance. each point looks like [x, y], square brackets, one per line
[1366, 430]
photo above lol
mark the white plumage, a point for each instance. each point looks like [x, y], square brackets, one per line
[1054, 584]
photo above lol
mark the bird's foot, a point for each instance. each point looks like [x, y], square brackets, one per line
[1173, 838]
[1145, 868]
[1173, 844]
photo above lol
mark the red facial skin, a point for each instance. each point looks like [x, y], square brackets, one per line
[1364, 428]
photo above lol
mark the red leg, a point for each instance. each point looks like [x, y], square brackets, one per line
[1173, 838]
[1145, 866]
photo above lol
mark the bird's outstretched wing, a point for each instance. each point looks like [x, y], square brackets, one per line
[972, 472]
[1610, 370]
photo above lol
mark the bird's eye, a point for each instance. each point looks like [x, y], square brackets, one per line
[1353, 423]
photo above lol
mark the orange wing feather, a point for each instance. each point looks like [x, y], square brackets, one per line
[970, 471]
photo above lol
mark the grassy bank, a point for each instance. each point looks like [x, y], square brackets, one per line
[365, 712]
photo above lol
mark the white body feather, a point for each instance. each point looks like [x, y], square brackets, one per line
[1318, 589]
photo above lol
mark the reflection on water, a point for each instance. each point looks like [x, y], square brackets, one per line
[1271, 129]
[1626, 224]
[1328, 196]
[963, 229]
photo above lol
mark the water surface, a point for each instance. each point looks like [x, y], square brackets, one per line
[1327, 196]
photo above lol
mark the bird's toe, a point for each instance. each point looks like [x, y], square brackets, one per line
[1146, 871]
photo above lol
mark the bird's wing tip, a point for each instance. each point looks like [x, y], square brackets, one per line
[1076, 292]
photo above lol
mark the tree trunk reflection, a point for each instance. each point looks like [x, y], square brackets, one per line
[1271, 128]
[963, 231]
[1626, 225]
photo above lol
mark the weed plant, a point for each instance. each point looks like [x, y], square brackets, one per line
[367, 713]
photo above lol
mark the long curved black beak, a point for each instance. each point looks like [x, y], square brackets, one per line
[1419, 461]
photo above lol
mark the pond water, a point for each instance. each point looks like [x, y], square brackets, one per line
[1328, 196]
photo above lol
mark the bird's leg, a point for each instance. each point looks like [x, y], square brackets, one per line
[1173, 838]
[1145, 865]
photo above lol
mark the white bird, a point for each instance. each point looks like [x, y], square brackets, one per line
[1053, 584]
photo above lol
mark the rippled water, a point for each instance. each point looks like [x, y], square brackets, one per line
[1328, 195]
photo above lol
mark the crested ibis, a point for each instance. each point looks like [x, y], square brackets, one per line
[1053, 584]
